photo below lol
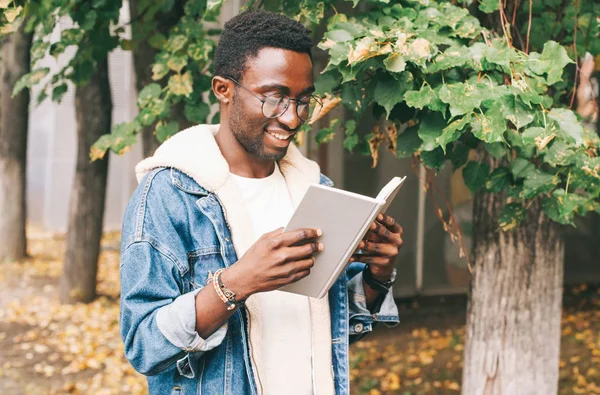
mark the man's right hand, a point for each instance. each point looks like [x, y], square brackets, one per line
[276, 259]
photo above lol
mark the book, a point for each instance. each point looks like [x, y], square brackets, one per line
[344, 217]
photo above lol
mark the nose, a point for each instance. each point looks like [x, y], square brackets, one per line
[290, 116]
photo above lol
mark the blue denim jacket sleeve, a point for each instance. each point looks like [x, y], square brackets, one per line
[362, 320]
[157, 322]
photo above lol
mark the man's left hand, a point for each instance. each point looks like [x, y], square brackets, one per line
[380, 247]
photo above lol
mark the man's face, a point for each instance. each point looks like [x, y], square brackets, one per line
[273, 71]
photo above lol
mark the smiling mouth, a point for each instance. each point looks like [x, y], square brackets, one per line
[280, 136]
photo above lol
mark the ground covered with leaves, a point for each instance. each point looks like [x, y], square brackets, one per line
[48, 348]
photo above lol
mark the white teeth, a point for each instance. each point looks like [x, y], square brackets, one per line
[280, 136]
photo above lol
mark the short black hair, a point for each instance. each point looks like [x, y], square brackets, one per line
[249, 32]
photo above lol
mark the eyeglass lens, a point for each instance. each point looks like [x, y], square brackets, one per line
[276, 105]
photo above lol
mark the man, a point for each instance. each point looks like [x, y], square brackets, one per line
[203, 251]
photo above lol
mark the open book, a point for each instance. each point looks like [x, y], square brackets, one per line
[344, 217]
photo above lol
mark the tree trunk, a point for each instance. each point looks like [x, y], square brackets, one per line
[514, 312]
[93, 108]
[13, 146]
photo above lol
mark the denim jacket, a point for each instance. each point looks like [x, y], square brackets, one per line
[175, 231]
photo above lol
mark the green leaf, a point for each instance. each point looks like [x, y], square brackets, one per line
[462, 98]
[338, 35]
[408, 142]
[327, 134]
[57, 48]
[11, 14]
[516, 112]
[148, 94]
[395, 63]
[390, 91]
[538, 182]
[200, 52]
[475, 175]
[181, 84]
[552, 61]
[327, 82]
[157, 41]
[177, 63]
[430, 128]
[458, 154]
[175, 43]
[497, 150]
[490, 126]
[30, 79]
[521, 168]
[421, 98]
[510, 217]
[196, 113]
[562, 207]
[538, 136]
[89, 20]
[453, 131]
[72, 36]
[163, 131]
[559, 154]
[499, 54]
[59, 91]
[455, 56]
[433, 159]
[38, 50]
[489, 6]
[351, 138]
[159, 70]
[147, 117]
[499, 180]
[568, 122]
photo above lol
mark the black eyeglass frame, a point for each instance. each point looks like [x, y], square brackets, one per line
[289, 100]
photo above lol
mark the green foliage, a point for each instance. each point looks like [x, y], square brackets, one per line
[451, 87]
[181, 71]
[91, 35]
[433, 65]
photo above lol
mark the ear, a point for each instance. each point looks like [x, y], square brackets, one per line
[223, 89]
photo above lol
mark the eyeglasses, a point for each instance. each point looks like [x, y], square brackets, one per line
[276, 104]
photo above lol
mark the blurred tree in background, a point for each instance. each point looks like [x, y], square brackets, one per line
[14, 116]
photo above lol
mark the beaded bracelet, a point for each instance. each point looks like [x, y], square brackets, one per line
[225, 294]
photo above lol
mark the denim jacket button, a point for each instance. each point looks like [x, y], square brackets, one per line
[227, 239]
[358, 328]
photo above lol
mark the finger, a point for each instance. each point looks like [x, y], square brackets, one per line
[298, 236]
[386, 234]
[299, 276]
[289, 270]
[390, 223]
[304, 251]
[372, 260]
[272, 233]
[374, 237]
[380, 249]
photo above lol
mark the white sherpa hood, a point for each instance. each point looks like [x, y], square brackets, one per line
[195, 152]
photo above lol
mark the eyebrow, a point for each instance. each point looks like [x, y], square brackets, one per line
[284, 89]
